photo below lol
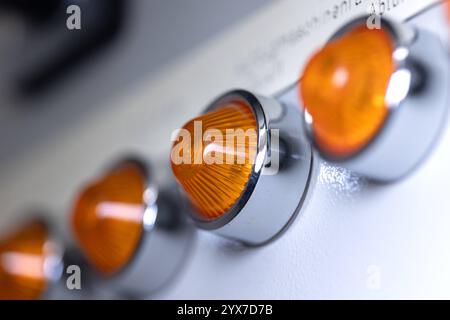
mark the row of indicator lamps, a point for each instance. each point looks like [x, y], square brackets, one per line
[373, 101]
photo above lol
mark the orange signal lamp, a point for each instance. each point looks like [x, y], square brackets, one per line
[447, 4]
[211, 194]
[111, 208]
[122, 225]
[375, 99]
[230, 164]
[344, 87]
[30, 262]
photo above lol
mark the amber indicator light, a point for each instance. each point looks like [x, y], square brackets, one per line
[23, 257]
[344, 87]
[214, 187]
[108, 217]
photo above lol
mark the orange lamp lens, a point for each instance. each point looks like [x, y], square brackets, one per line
[216, 151]
[22, 263]
[448, 8]
[108, 217]
[344, 87]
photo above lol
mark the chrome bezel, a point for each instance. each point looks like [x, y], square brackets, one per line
[265, 210]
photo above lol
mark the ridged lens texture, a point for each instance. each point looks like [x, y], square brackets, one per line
[108, 217]
[344, 87]
[221, 152]
[23, 256]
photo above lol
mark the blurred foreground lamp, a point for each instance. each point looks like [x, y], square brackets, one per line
[375, 100]
[244, 165]
[30, 262]
[133, 238]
